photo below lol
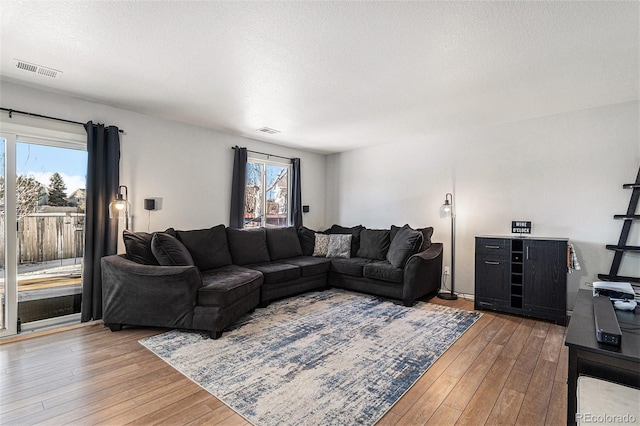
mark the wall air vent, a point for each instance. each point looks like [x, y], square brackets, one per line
[268, 130]
[37, 69]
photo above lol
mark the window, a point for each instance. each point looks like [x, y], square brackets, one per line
[267, 195]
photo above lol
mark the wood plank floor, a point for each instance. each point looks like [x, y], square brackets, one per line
[503, 370]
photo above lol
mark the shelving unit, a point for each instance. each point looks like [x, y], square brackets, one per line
[517, 256]
[621, 248]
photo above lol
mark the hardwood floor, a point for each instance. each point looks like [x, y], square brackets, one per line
[503, 370]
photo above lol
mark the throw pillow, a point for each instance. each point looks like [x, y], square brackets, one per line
[426, 235]
[321, 247]
[248, 246]
[374, 243]
[354, 231]
[406, 242]
[138, 246]
[307, 239]
[339, 245]
[283, 243]
[208, 247]
[169, 251]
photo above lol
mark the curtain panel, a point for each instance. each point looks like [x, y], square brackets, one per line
[101, 233]
[238, 185]
[296, 194]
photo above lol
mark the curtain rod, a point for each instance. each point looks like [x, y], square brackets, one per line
[264, 153]
[11, 111]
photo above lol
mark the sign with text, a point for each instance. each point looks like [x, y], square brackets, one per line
[520, 227]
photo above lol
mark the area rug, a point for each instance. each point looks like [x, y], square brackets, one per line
[323, 358]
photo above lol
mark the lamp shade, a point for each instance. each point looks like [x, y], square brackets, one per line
[446, 210]
[120, 207]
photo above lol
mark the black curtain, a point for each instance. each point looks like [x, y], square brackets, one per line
[238, 185]
[101, 233]
[296, 194]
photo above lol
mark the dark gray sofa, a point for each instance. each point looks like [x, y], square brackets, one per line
[207, 279]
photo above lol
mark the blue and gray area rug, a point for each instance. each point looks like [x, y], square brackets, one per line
[326, 358]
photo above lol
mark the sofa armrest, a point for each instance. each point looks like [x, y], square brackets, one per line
[149, 295]
[422, 274]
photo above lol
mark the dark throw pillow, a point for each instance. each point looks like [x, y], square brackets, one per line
[307, 239]
[426, 235]
[354, 231]
[283, 243]
[208, 247]
[406, 242]
[138, 246]
[169, 251]
[248, 246]
[374, 243]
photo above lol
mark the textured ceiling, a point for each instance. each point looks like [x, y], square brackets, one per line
[331, 76]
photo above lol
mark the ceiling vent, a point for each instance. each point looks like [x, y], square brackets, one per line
[37, 69]
[268, 130]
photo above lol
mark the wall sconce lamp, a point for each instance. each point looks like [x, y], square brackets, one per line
[120, 207]
[446, 210]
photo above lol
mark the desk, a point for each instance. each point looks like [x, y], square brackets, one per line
[590, 358]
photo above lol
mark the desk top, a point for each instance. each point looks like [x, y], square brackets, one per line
[582, 330]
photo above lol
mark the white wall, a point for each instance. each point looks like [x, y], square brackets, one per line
[562, 172]
[187, 167]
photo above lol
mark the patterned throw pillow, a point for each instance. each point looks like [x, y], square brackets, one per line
[321, 246]
[339, 245]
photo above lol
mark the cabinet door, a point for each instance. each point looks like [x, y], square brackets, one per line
[545, 277]
[492, 280]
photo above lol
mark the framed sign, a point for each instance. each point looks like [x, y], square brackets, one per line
[520, 227]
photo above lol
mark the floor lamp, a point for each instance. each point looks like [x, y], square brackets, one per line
[446, 210]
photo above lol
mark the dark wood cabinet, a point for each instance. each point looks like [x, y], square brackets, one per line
[526, 276]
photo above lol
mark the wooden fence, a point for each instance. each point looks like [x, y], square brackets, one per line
[48, 236]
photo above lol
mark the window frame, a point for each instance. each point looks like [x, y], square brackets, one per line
[265, 163]
[26, 129]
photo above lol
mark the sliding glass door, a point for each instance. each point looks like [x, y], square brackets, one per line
[42, 223]
[4, 294]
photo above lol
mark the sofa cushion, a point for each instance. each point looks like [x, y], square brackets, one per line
[168, 251]
[226, 285]
[383, 270]
[208, 247]
[276, 272]
[352, 266]
[426, 235]
[406, 242]
[354, 231]
[283, 243]
[374, 243]
[339, 245]
[138, 246]
[307, 239]
[309, 265]
[248, 246]
[321, 247]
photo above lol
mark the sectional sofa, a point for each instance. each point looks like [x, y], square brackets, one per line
[206, 279]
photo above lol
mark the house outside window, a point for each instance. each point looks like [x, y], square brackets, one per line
[267, 195]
